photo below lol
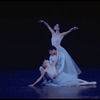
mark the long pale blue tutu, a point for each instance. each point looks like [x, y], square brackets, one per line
[64, 79]
[70, 66]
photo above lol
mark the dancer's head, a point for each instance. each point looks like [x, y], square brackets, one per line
[56, 27]
[45, 63]
[52, 50]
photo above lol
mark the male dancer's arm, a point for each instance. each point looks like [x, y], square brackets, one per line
[62, 57]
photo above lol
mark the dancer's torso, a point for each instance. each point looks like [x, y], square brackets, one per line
[51, 72]
[56, 40]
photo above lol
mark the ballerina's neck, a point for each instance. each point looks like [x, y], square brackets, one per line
[56, 33]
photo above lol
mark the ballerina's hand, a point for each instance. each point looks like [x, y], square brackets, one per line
[75, 28]
[31, 85]
[41, 21]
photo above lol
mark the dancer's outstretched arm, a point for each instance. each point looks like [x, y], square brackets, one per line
[67, 32]
[47, 25]
[42, 75]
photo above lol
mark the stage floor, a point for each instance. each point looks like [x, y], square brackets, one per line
[14, 84]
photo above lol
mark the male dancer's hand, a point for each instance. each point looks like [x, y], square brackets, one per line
[55, 76]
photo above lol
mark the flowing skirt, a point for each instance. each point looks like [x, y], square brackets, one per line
[70, 66]
[64, 79]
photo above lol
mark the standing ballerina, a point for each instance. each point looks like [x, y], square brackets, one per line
[70, 66]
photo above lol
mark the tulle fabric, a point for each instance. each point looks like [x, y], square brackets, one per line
[70, 66]
[64, 79]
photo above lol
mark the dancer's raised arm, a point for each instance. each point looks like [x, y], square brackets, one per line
[47, 25]
[55, 62]
[62, 63]
[70, 30]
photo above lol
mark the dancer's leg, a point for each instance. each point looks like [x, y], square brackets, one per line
[83, 82]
